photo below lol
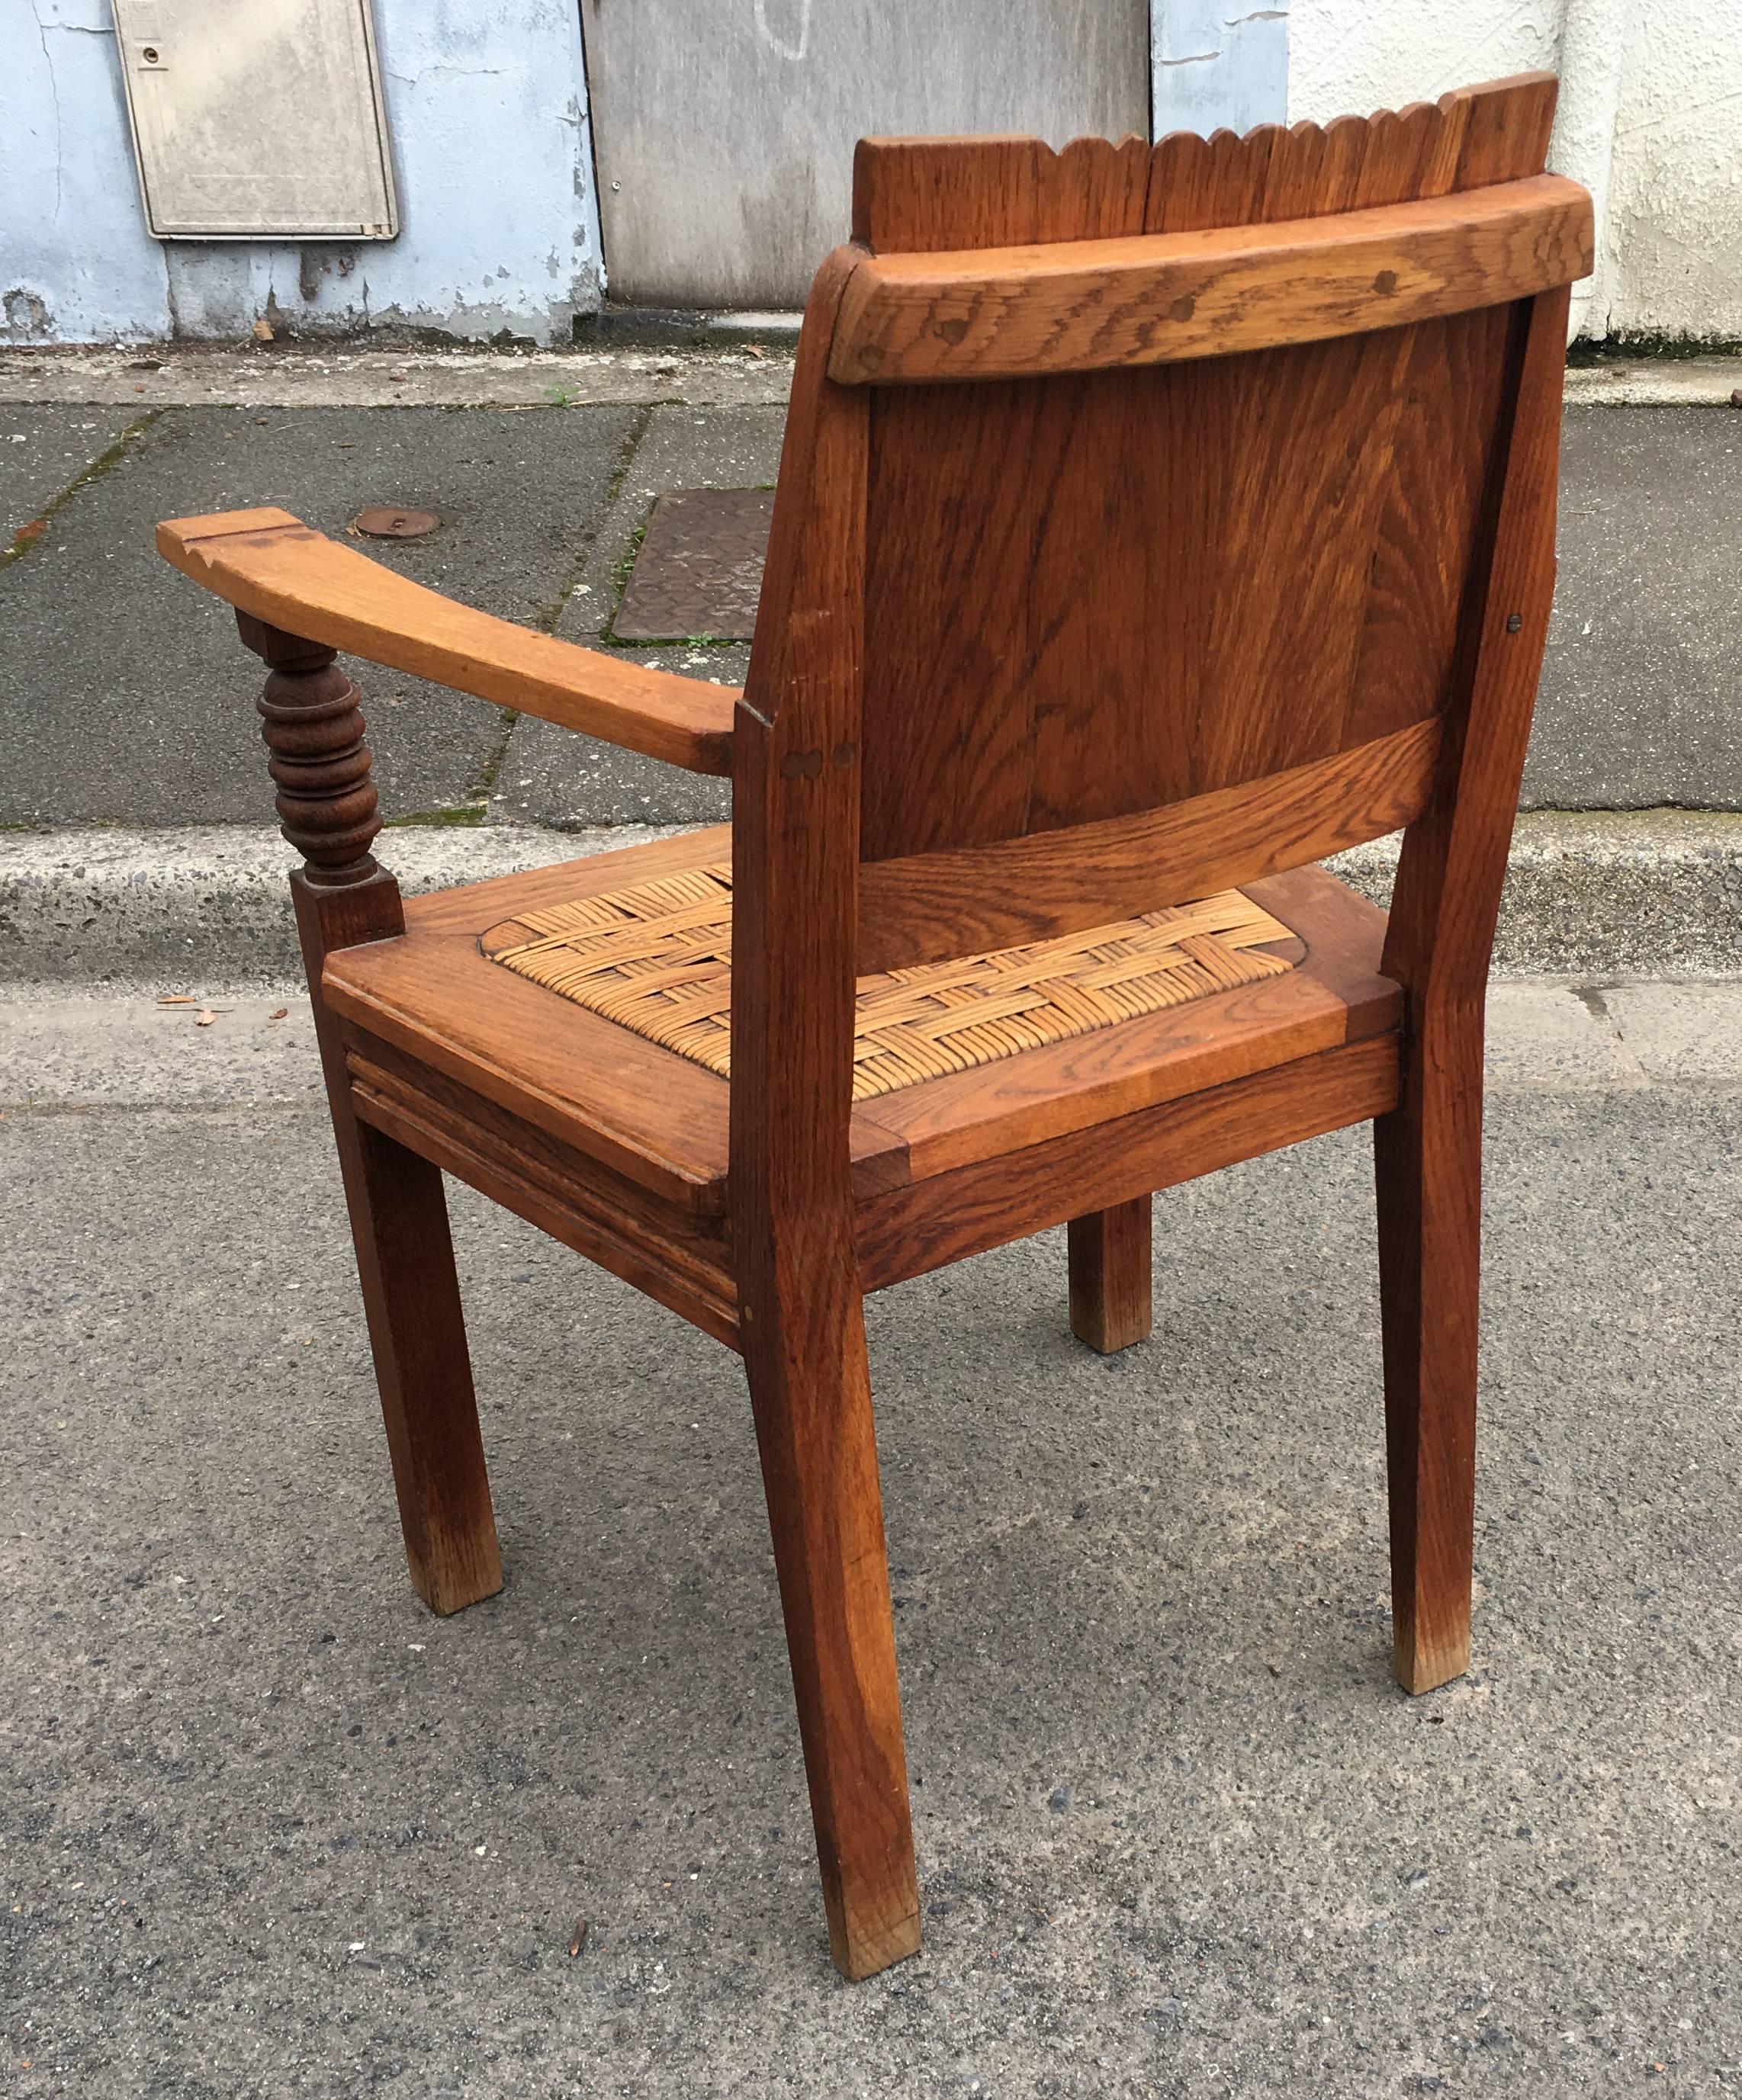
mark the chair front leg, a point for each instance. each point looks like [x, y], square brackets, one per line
[1109, 1253]
[810, 1392]
[1428, 1160]
[399, 1216]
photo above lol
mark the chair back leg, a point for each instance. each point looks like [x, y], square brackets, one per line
[1428, 1160]
[810, 1392]
[1109, 1257]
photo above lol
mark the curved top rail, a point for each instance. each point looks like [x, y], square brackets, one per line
[1086, 306]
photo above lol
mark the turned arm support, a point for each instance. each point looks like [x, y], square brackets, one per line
[276, 571]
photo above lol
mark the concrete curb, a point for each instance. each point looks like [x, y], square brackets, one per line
[749, 362]
[1649, 894]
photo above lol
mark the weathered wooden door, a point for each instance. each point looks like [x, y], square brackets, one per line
[724, 129]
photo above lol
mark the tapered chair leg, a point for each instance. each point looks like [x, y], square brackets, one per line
[811, 1391]
[417, 1329]
[1109, 1257]
[399, 1216]
[1428, 1160]
[398, 1219]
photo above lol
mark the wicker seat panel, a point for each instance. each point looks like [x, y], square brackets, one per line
[657, 959]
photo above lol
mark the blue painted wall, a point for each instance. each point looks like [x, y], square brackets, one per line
[486, 108]
[1214, 64]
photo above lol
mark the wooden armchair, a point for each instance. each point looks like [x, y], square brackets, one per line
[1150, 522]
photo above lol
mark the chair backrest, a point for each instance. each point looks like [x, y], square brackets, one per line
[1141, 509]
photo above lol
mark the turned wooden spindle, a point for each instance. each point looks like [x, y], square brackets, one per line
[313, 726]
[327, 808]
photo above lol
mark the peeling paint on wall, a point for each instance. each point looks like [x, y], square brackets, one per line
[1213, 63]
[487, 109]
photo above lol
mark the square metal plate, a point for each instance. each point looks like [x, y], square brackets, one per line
[699, 570]
[257, 119]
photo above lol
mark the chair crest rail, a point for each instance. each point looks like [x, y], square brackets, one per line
[1084, 305]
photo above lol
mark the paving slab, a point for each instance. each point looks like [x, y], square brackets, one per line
[1678, 1032]
[680, 448]
[271, 1828]
[43, 450]
[140, 697]
[1640, 703]
[551, 776]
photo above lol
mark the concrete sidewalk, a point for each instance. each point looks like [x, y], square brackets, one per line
[271, 1829]
[136, 699]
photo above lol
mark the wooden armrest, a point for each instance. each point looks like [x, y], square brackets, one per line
[272, 565]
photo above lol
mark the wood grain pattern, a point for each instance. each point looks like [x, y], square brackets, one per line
[665, 1252]
[972, 900]
[270, 564]
[1335, 994]
[1090, 306]
[596, 1088]
[600, 1093]
[398, 1212]
[795, 804]
[1032, 653]
[1108, 1256]
[947, 1217]
[912, 194]
[411, 1292]
[1092, 595]
[1428, 1154]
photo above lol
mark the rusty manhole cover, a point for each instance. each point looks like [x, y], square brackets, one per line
[700, 568]
[383, 524]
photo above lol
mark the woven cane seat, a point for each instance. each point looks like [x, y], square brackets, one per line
[657, 959]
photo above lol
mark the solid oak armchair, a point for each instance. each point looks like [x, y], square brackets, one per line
[1152, 523]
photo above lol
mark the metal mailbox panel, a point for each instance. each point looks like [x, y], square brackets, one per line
[258, 120]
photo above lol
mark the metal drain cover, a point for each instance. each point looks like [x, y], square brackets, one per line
[381, 523]
[699, 570]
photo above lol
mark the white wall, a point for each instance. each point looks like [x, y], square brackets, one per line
[487, 110]
[1650, 121]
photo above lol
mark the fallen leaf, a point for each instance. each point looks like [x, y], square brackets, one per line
[177, 999]
[262, 331]
[204, 1020]
[26, 533]
[754, 350]
[279, 1015]
[577, 1938]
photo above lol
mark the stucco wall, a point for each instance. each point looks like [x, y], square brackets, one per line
[486, 108]
[1651, 122]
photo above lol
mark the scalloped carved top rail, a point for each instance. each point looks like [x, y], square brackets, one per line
[999, 258]
[911, 195]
